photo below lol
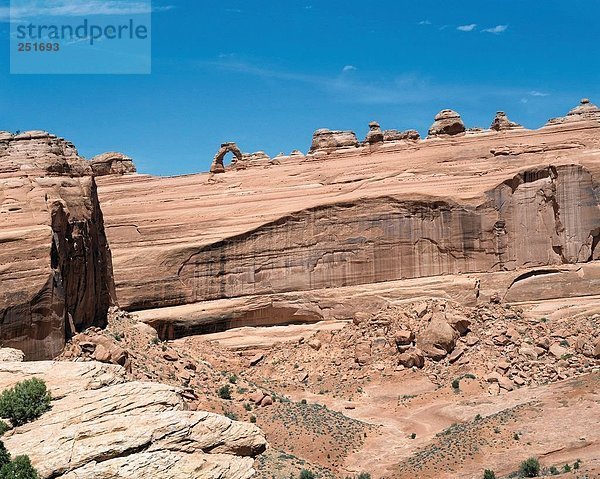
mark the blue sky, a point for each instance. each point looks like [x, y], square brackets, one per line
[267, 73]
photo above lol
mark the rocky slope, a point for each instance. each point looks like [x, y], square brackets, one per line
[55, 264]
[102, 426]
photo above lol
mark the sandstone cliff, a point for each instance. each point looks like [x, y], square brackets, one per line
[513, 200]
[55, 264]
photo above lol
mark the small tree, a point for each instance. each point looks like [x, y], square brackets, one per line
[489, 474]
[19, 468]
[25, 402]
[364, 475]
[530, 467]
[305, 474]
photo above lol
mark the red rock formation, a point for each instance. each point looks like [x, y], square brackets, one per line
[55, 265]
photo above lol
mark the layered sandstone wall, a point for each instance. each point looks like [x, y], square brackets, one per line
[55, 264]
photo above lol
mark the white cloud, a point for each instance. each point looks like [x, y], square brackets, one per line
[467, 28]
[497, 29]
[538, 93]
[424, 22]
[349, 68]
[69, 8]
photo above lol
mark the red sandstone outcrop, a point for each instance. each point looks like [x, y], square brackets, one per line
[447, 122]
[112, 163]
[585, 111]
[502, 123]
[395, 135]
[55, 264]
[375, 134]
[331, 140]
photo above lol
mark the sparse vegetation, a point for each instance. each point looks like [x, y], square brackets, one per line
[252, 419]
[306, 474]
[25, 402]
[3, 427]
[489, 474]
[553, 471]
[18, 468]
[233, 379]
[231, 416]
[530, 467]
[566, 468]
[364, 475]
[225, 392]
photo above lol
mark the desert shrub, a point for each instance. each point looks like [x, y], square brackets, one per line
[456, 383]
[553, 471]
[364, 475]
[247, 406]
[530, 467]
[306, 474]
[566, 468]
[225, 392]
[25, 402]
[231, 416]
[233, 379]
[413, 435]
[3, 428]
[577, 463]
[489, 474]
[4, 455]
[19, 468]
[252, 419]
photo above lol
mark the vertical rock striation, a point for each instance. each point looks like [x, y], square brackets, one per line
[55, 264]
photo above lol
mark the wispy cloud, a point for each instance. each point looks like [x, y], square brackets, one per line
[538, 93]
[467, 28]
[69, 8]
[496, 30]
[233, 10]
[402, 89]
[424, 22]
[349, 68]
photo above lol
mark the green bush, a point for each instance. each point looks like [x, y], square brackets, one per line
[305, 474]
[19, 468]
[3, 428]
[554, 471]
[489, 474]
[25, 402]
[364, 475]
[4, 455]
[233, 379]
[252, 419]
[566, 468]
[225, 392]
[530, 467]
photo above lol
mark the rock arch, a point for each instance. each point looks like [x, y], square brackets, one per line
[217, 164]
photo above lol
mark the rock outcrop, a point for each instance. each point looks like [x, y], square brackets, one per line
[447, 122]
[585, 111]
[102, 426]
[375, 134]
[502, 123]
[112, 163]
[325, 140]
[396, 135]
[55, 264]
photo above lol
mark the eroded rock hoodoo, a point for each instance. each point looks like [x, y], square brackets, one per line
[447, 122]
[112, 163]
[329, 140]
[502, 123]
[229, 147]
[57, 274]
[375, 134]
[396, 135]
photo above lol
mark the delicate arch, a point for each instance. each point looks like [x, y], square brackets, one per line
[217, 164]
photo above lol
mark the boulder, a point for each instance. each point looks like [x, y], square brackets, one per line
[404, 337]
[257, 358]
[11, 355]
[412, 358]
[329, 140]
[458, 322]
[447, 122]
[438, 340]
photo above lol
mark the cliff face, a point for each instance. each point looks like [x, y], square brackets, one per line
[485, 202]
[55, 264]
